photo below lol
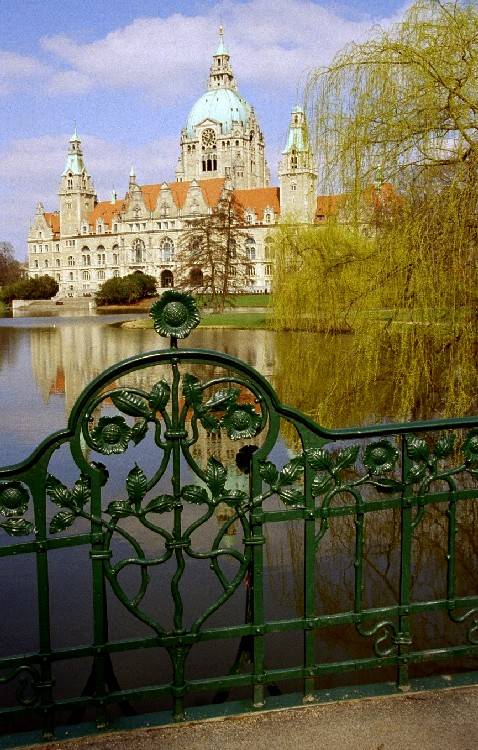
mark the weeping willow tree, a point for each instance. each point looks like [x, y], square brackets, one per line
[396, 129]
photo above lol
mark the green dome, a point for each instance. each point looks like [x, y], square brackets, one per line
[222, 105]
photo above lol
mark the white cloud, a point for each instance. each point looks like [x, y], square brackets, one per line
[69, 82]
[272, 42]
[17, 69]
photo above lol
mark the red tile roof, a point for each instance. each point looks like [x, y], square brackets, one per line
[53, 220]
[105, 210]
[328, 205]
[211, 189]
[259, 199]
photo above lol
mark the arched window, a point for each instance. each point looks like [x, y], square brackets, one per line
[85, 275]
[85, 256]
[35, 263]
[167, 250]
[46, 262]
[196, 277]
[71, 260]
[167, 279]
[293, 159]
[250, 248]
[101, 274]
[138, 251]
[57, 262]
[115, 249]
[268, 248]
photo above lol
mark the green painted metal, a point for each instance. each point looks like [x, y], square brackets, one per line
[355, 473]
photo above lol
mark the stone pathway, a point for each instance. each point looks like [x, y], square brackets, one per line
[442, 720]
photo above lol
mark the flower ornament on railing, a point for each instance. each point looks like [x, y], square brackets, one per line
[241, 422]
[380, 457]
[175, 314]
[111, 435]
[14, 499]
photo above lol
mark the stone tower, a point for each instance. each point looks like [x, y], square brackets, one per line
[297, 172]
[222, 137]
[77, 193]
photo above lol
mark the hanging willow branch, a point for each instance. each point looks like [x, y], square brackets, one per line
[395, 123]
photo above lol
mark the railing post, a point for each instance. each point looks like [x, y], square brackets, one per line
[100, 616]
[257, 540]
[406, 537]
[43, 589]
[309, 585]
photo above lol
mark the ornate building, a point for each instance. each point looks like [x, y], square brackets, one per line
[221, 149]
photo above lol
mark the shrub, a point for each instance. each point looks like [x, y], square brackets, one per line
[43, 287]
[126, 290]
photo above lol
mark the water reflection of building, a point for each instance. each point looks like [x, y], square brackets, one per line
[66, 358]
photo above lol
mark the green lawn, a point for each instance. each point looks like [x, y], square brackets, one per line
[235, 320]
[215, 320]
[240, 300]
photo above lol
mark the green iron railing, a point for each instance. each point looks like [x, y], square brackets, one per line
[157, 409]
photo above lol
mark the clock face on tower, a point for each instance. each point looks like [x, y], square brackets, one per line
[208, 137]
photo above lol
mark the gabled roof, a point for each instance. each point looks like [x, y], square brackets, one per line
[258, 199]
[53, 221]
[328, 205]
[105, 210]
[211, 190]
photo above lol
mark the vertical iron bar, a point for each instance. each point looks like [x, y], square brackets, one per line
[451, 552]
[406, 536]
[358, 561]
[177, 653]
[257, 589]
[43, 592]
[100, 620]
[309, 585]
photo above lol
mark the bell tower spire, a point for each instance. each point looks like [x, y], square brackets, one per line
[77, 193]
[297, 172]
[220, 73]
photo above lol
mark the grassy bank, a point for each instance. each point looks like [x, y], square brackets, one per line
[231, 320]
[239, 300]
[236, 300]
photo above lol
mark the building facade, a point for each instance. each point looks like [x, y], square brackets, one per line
[221, 149]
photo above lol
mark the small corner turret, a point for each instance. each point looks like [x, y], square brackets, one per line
[297, 171]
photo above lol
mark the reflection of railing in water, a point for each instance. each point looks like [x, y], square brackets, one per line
[367, 494]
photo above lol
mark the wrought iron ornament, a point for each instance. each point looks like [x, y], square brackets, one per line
[116, 425]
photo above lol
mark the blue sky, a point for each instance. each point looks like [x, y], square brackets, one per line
[128, 72]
